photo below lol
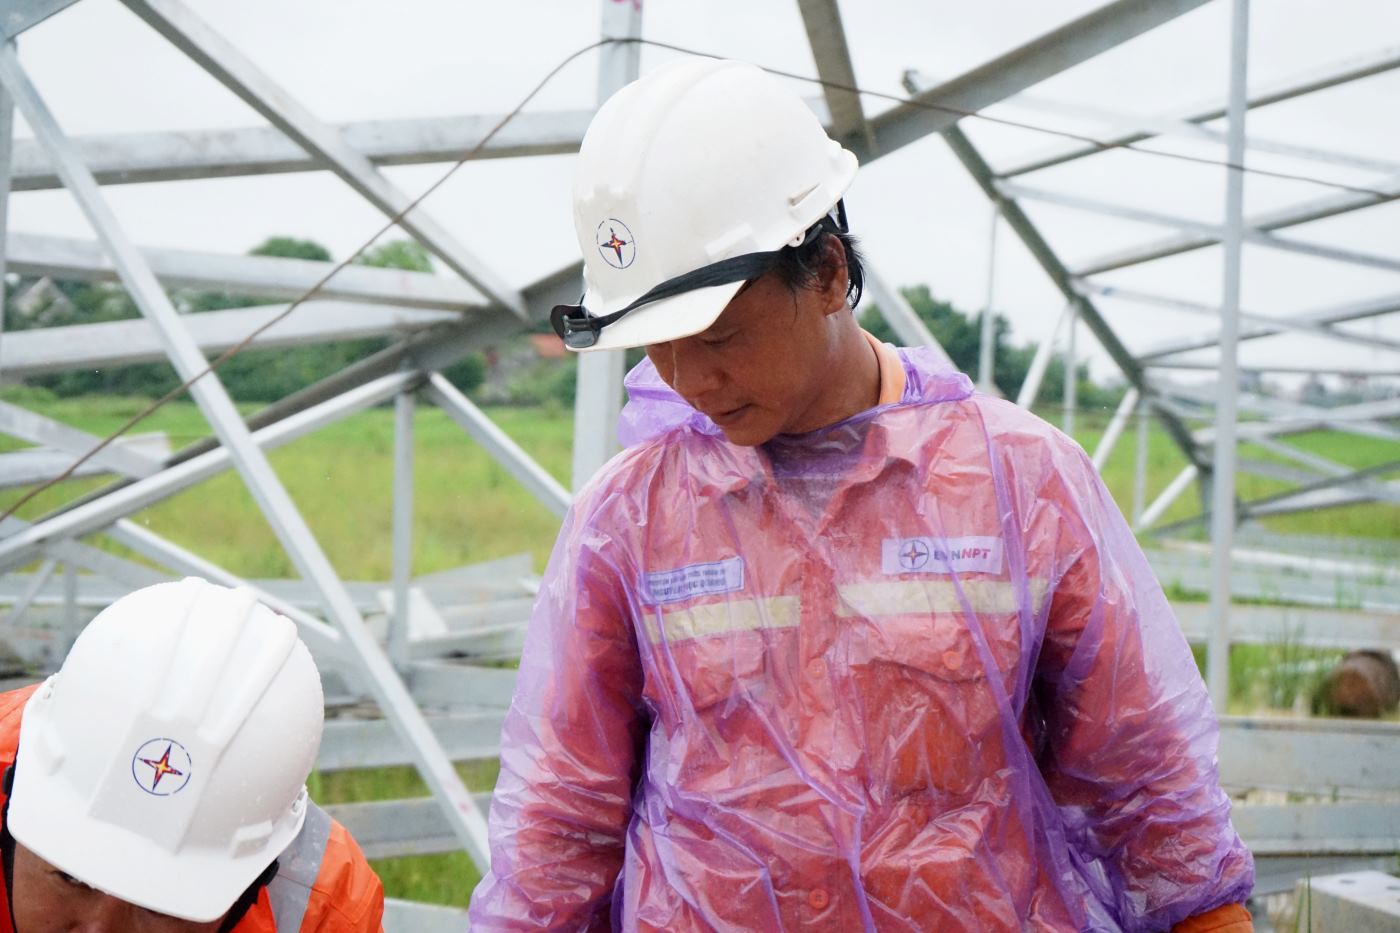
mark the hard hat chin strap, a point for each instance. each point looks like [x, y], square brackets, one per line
[580, 330]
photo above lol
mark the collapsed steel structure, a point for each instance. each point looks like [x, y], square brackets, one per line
[438, 702]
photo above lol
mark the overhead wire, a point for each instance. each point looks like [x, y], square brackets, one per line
[915, 101]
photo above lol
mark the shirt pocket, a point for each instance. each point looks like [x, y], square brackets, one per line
[712, 653]
[936, 627]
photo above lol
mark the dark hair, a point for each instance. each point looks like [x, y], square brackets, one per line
[800, 266]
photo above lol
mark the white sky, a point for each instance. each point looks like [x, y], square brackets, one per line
[921, 217]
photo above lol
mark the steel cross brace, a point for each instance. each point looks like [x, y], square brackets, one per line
[379, 676]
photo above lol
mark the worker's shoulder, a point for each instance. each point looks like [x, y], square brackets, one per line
[11, 711]
[341, 891]
[1009, 425]
[639, 471]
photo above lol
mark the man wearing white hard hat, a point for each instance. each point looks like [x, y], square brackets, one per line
[157, 782]
[835, 642]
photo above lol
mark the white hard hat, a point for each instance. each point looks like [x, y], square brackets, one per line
[165, 763]
[688, 183]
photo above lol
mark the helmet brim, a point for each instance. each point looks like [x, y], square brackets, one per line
[683, 315]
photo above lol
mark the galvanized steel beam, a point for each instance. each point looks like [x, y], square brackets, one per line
[1052, 53]
[131, 158]
[231, 68]
[1059, 275]
[252, 276]
[1320, 79]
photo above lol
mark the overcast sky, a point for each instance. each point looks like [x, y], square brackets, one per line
[922, 219]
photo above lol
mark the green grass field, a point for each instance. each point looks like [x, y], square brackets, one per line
[468, 509]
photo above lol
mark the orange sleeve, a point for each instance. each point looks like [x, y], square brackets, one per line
[348, 896]
[1232, 918]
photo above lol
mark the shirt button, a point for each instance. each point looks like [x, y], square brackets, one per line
[952, 660]
[818, 898]
[816, 668]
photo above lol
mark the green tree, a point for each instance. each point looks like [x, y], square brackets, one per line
[398, 254]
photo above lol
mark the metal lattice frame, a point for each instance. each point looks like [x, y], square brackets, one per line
[438, 320]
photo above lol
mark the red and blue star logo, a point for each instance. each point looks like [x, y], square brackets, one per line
[161, 767]
[615, 243]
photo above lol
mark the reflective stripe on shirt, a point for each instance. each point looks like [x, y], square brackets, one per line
[739, 615]
[906, 597]
[297, 869]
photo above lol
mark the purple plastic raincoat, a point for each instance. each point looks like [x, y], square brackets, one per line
[908, 672]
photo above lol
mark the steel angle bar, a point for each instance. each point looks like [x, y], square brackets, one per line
[353, 743]
[20, 547]
[7, 144]
[433, 348]
[411, 917]
[598, 395]
[498, 444]
[214, 54]
[827, 38]
[1333, 314]
[1114, 431]
[900, 315]
[377, 673]
[1253, 624]
[1302, 370]
[119, 343]
[402, 526]
[38, 429]
[254, 276]
[1306, 564]
[1273, 584]
[1316, 80]
[1319, 828]
[1168, 496]
[1018, 221]
[1319, 464]
[1279, 325]
[19, 15]
[1048, 55]
[1169, 126]
[1257, 237]
[448, 685]
[324, 640]
[396, 828]
[128, 158]
[1308, 755]
[75, 553]
[1317, 209]
[1040, 363]
[31, 589]
[1358, 478]
[41, 464]
[1307, 501]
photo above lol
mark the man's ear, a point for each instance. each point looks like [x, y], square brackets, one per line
[833, 277]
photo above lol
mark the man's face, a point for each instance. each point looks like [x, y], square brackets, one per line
[759, 370]
[48, 901]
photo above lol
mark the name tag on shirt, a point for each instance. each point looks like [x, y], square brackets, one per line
[974, 554]
[673, 586]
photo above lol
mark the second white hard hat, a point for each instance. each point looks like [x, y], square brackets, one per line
[699, 163]
[165, 763]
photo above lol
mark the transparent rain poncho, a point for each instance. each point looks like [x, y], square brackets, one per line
[908, 672]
